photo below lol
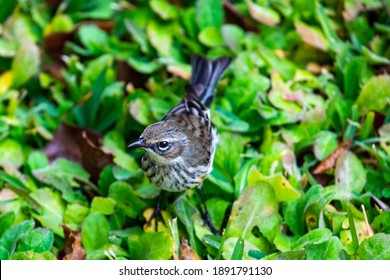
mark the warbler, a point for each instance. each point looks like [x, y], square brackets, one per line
[180, 148]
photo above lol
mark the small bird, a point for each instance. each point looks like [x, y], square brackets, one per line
[180, 148]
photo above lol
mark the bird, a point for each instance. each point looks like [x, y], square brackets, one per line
[180, 148]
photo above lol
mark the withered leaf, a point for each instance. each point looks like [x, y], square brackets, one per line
[81, 145]
[54, 43]
[127, 74]
[330, 162]
[72, 245]
[235, 17]
[186, 252]
[311, 36]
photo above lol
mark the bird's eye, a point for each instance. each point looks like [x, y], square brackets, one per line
[163, 146]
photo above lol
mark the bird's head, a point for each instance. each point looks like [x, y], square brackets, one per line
[164, 141]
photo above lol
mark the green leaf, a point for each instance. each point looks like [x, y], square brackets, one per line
[283, 190]
[314, 237]
[51, 211]
[233, 37]
[211, 37]
[110, 251]
[185, 211]
[374, 58]
[350, 174]
[209, 13]
[292, 255]
[11, 153]
[330, 34]
[11, 237]
[126, 199]
[91, 107]
[374, 94]
[143, 66]
[30, 255]
[381, 223]
[153, 246]
[255, 209]
[25, 64]
[163, 9]
[234, 248]
[93, 38]
[175, 235]
[160, 36]
[217, 208]
[62, 171]
[74, 215]
[103, 205]
[38, 240]
[63, 175]
[240, 178]
[37, 160]
[238, 249]
[327, 250]
[355, 73]
[94, 232]
[230, 122]
[4, 254]
[377, 247]
[228, 152]
[325, 144]
[7, 8]
[6, 220]
[139, 35]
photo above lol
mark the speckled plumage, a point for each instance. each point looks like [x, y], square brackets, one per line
[180, 148]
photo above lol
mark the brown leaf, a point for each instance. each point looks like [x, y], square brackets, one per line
[54, 43]
[127, 74]
[186, 252]
[73, 250]
[262, 14]
[81, 145]
[330, 162]
[316, 68]
[53, 2]
[54, 69]
[235, 17]
[178, 71]
[311, 36]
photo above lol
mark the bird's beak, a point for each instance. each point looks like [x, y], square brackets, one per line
[140, 143]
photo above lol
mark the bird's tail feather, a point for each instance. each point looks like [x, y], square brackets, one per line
[205, 76]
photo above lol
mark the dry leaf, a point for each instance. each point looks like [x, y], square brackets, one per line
[186, 252]
[54, 43]
[330, 162]
[80, 145]
[72, 245]
[263, 15]
[235, 17]
[311, 36]
[178, 71]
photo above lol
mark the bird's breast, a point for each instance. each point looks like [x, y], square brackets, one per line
[174, 177]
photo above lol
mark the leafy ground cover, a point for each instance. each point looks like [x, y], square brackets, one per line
[302, 170]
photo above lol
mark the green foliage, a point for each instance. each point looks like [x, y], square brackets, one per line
[302, 168]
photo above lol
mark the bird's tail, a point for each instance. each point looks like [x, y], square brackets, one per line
[205, 76]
